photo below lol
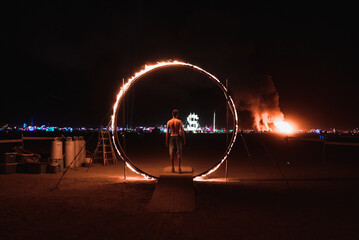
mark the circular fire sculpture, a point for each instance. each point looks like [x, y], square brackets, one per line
[136, 77]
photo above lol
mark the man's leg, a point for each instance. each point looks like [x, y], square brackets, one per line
[173, 162]
[179, 163]
[179, 153]
[172, 156]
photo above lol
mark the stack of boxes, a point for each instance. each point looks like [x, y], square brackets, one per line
[21, 163]
[8, 163]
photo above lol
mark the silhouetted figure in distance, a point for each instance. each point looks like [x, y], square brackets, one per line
[175, 138]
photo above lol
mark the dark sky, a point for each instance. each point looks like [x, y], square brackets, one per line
[64, 61]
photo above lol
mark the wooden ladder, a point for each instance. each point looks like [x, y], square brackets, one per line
[104, 150]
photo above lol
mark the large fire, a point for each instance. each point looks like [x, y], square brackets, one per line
[284, 127]
[272, 122]
[262, 101]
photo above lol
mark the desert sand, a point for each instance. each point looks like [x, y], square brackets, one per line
[281, 192]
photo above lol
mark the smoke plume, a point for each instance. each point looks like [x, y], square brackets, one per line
[262, 101]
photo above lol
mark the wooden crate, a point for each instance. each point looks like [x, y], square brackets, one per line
[8, 157]
[36, 168]
[8, 168]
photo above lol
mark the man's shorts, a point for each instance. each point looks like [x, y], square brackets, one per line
[175, 145]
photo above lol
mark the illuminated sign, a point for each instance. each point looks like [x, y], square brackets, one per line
[192, 122]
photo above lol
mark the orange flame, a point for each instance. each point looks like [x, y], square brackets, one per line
[284, 127]
[267, 122]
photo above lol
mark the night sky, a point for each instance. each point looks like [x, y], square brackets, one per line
[63, 63]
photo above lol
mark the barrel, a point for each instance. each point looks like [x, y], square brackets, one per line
[56, 149]
[83, 149]
[69, 152]
[77, 162]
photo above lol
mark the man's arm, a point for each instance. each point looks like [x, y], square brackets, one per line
[183, 136]
[167, 134]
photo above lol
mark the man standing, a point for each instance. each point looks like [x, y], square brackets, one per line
[175, 138]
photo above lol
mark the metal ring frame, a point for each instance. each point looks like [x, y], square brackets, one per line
[136, 77]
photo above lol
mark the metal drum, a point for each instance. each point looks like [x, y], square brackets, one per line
[83, 149]
[77, 162]
[69, 152]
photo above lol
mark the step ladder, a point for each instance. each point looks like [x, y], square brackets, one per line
[104, 150]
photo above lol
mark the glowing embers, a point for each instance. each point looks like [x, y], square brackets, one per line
[148, 69]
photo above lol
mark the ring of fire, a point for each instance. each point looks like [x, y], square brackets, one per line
[136, 77]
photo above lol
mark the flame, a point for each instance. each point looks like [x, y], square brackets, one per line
[284, 127]
[267, 121]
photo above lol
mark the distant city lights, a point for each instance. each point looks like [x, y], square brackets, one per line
[162, 129]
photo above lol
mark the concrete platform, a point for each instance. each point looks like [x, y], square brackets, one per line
[185, 170]
[174, 192]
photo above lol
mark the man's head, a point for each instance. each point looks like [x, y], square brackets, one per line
[175, 113]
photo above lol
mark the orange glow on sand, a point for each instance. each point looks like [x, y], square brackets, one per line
[135, 179]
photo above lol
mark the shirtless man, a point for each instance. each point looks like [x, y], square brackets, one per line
[175, 137]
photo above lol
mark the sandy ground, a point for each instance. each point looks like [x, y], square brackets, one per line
[279, 193]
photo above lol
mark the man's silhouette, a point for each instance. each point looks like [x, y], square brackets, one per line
[175, 138]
